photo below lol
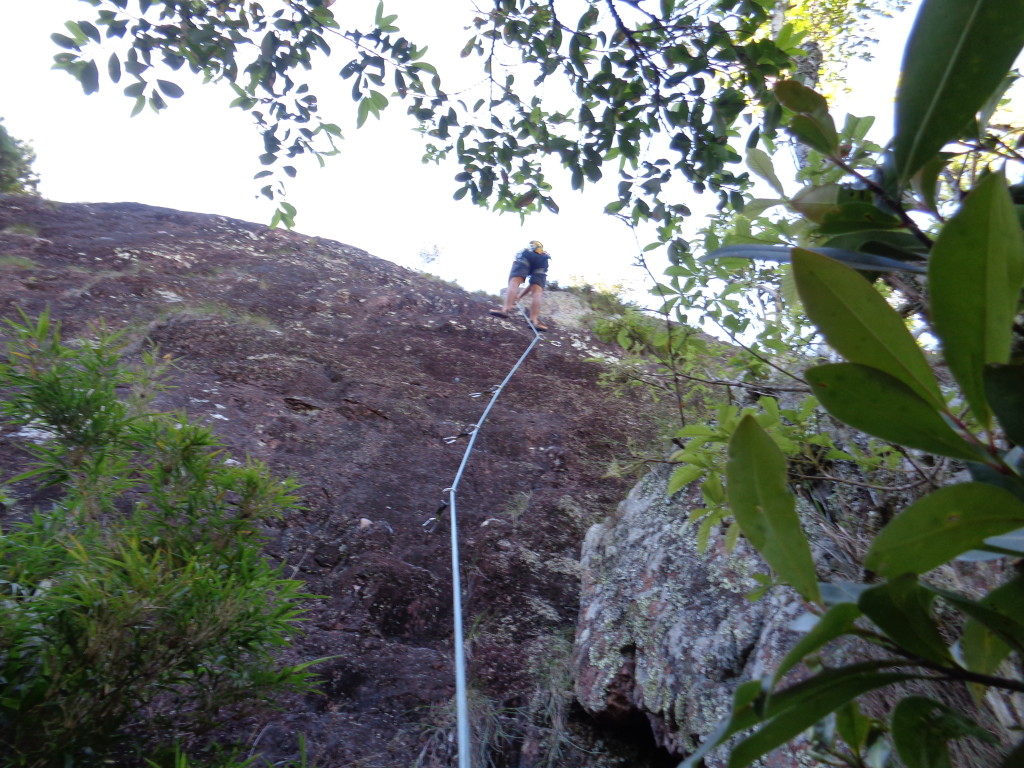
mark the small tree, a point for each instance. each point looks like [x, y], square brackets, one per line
[16, 158]
[138, 607]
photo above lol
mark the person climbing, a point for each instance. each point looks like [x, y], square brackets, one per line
[530, 262]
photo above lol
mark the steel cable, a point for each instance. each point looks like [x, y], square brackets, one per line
[461, 701]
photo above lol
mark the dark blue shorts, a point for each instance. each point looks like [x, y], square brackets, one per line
[532, 265]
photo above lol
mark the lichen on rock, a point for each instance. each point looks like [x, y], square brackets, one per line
[667, 631]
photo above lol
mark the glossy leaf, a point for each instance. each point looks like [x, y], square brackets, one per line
[89, 77]
[1004, 390]
[975, 274]
[957, 55]
[1012, 482]
[815, 201]
[901, 608]
[1008, 628]
[857, 217]
[922, 727]
[835, 623]
[940, 526]
[169, 89]
[988, 639]
[882, 405]
[815, 698]
[926, 180]
[683, 476]
[812, 125]
[744, 715]
[808, 131]
[854, 727]
[857, 322]
[764, 507]
[792, 711]
[114, 68]
[760, 163]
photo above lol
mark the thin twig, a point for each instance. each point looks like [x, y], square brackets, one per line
[889, 488]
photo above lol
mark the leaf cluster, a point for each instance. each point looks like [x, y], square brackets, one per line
[140, 603]
[973, 259]
[264, 56]
[680, 73]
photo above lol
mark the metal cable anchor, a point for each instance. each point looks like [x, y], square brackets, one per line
[430, 524]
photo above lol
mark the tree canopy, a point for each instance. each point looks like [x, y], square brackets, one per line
[654, 89]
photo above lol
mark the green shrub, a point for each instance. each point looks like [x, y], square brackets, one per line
[140, 605]
[16, 158]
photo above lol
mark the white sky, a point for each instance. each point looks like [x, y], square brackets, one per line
[200, 156]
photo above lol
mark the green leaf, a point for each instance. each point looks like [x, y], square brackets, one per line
[89, 77]
[1006, 627]
[975, 274]
[856, 217]
[854, 727]
[859, 324]
[765, 509]
[363, 112]
[901, 608]
[64, 41]
[835, 623]
[957, 55]
[1004, 390]
[937, 528]
[926, 180]
[760, 163]
[881, 405]
[744, 715]
[89, 31]
[814, 202]
[812, 124]
[921, 727]
[797, 708]
[808, 131]
[797, 97]
[987, 639]
[114, 68]
[169, 89]
[682, 477]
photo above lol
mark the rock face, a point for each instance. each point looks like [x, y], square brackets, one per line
[665, 632]
[359, 378]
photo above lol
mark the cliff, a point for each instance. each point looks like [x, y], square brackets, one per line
[598, 634]
[348, 373]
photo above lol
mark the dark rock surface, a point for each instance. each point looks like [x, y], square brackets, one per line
[347, 373]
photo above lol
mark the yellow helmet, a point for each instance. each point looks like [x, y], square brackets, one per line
[536, 245]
